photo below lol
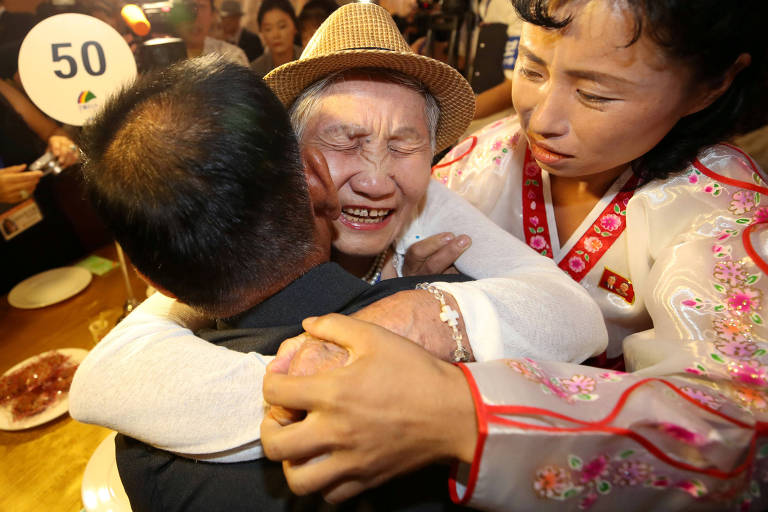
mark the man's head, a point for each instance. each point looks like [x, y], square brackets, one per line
[197, 172]
[231, 13]
[195, 31]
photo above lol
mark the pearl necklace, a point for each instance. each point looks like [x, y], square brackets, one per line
[374, 274]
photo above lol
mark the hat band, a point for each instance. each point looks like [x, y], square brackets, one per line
[367, 48]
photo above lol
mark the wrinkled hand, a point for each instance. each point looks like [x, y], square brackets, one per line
[415, 314]
[435, 255]
[17, 185]
[383, 414]
[63, 148]
[303, 355]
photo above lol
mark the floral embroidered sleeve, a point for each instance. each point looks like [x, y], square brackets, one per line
[688, 428]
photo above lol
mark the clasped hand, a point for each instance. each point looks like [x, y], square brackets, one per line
[379, 412]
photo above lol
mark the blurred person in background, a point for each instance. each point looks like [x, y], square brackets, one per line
[46, 238]
[13, 28]
[107, 11]
[233, 32]
[196, 36]
[499, 98]
[312, 15]
[278, 27]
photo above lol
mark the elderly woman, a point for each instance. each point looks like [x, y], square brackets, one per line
[603, 88]
[378, 130]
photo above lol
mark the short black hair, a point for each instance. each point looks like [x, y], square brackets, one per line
[707, 36]
[316, 12]
[280, 5]
[197, 172]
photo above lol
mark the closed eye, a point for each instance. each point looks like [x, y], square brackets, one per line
[529, 73]
[593, 98]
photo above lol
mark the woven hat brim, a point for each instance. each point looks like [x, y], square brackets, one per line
[450, 89]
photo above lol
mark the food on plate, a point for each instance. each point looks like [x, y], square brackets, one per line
[34, 387]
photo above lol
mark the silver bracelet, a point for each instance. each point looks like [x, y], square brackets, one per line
[451, 317]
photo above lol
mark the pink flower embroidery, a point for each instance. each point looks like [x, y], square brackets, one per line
[592, 244]
[742, 202]
[531, 169]
[744, 299]
[533, 205]
[740, 349]
[761, 215]
[708, 189]
[701, 397]
[576, 264]
[748, 372]
[588, 501]
[693, 178]
[496, 145]
[593, 469]
[538, 242]
[730, 272]
[752, 398]
[723, 236]
[728, 331]
[681, 434]
[689, 303]
[692, 487]
[610, 376]
[610, 222]
[534, 221]
[497, 160]
[631, 473]
[579, 384]
[551, 482]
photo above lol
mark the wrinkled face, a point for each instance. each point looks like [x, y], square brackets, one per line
[375, 139]
[587, 102]
[195, 32]
[278, 31]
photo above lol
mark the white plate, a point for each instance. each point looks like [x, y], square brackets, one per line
[56, 409]
[102, 489]
[49, 287]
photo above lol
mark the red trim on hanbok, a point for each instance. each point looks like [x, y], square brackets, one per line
[732, 181]
[451, 162]
[760, 262]
[482, 434]
[604, 426]
[594, 242]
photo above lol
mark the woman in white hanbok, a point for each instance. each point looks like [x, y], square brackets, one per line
[621, 105]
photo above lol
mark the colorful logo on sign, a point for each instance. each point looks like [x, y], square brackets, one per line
[85, 97]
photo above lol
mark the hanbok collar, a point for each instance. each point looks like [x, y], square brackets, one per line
[592, 239]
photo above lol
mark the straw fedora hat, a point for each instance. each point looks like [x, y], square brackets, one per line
[365, 35]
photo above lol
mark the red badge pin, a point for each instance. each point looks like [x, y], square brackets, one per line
[621, 286]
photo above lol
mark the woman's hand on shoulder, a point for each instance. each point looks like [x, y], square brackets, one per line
[435, 255]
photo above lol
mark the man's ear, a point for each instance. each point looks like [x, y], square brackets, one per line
[710, 95]
[322, 190]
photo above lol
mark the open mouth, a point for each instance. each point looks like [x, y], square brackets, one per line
[356, 215]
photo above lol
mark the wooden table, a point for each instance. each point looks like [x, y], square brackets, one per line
[41, 468]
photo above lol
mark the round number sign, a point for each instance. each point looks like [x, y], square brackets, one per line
[69, 64]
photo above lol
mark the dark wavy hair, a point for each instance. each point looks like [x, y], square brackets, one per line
[705, 36]
[197, 172]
